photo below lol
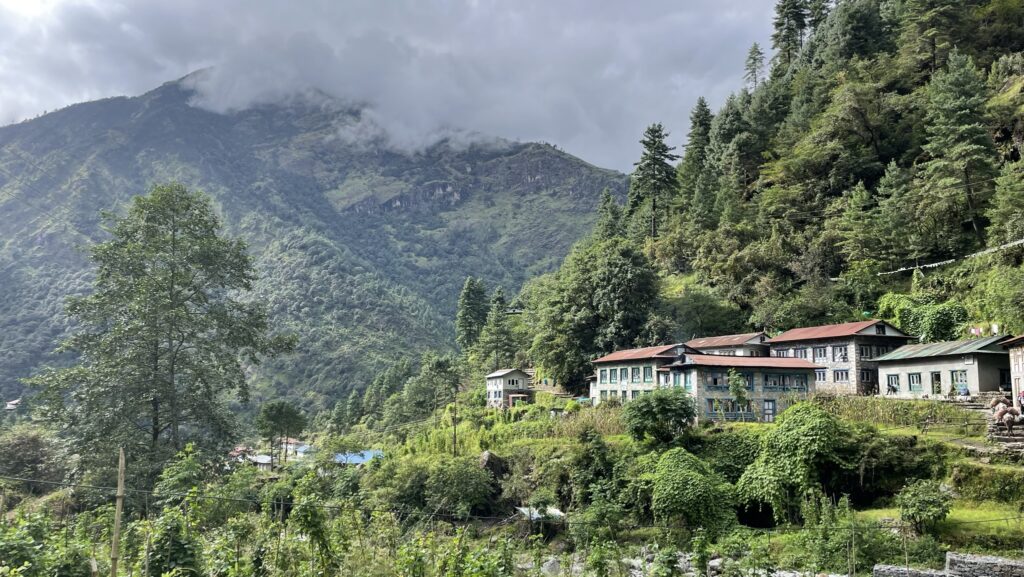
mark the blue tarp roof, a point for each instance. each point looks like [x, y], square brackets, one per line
[357, 458]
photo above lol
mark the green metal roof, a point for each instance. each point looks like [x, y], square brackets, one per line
[947, 348]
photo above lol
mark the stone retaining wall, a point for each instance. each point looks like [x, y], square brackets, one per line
[900, 571]
[960, 565]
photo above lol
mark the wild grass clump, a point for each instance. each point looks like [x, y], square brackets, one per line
[900, 413]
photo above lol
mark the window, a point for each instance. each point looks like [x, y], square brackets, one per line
[687, 382]
[867, 375]
[623, 393]
[865, 352]
[769, 410]
[880, 329]
[782, 352]
[604, 395]
[647, 374]
[841, 376]
[820, 353]
[636, 394]
[959, 377]
[675, 379]
[839, 353]
[800, 353]
[613, 376]
[914, 381]
[729, 353]
[800, 381]
[820, 375]
[711, 405]
[892, 383]
[623, 374]
[604, 376]
[635, 374]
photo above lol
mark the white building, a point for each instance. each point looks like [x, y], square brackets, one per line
[743, 345]
[506, 387]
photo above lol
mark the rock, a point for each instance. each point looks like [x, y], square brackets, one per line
[551, 567]
[715, 566]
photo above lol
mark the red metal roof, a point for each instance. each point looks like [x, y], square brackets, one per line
[762, 362]
[637, 354]
[722, 341]
[1014, 342]
[824, 331]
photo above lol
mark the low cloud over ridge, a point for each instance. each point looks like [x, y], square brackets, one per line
[587, 76]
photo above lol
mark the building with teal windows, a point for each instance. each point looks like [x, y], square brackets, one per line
[772, 383]
[946, 369]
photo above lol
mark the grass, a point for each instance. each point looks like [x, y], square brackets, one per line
[984, 527]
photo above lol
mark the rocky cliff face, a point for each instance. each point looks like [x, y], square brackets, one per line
[361, 248]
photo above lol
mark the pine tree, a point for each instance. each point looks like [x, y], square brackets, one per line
[927, 31]
[857, 225]
[817, 12]
[609, 218]
[962, 155]
[903, 239]
[654, 178]
[353, 408]
[789, 24]
[497, 346]
[471, 313]
[1007, 212]
[753, 70]
[696, 154]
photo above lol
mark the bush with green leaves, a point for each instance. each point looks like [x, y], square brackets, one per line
[923, 504]
[662, 416]
[689, 492]
[806, 444]
[458, 486]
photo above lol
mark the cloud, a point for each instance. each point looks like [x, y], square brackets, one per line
[586, 75]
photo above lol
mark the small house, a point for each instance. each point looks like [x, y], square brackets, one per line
[262, 462]
[946, 369]
[12, 405]
[846, 353]
[507, 387]
[742, 345]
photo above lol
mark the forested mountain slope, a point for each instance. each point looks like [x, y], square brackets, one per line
[878, 135]
[361, 249]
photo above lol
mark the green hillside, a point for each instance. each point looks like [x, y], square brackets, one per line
[360, 249]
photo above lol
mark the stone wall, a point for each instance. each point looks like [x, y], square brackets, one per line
[961, 565]
[900, 571]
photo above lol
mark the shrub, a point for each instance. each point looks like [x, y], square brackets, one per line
[458, 486]
[806, 442]
[923, 504]
[729, 452]
[687, 490]
[662, 416]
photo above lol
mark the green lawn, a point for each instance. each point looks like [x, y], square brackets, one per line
[984, 527]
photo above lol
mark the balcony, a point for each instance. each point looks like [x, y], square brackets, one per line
[716, 388]
[785, 388]
[731, 416]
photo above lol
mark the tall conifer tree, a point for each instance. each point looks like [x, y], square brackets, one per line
[962, 156]
[654, 179]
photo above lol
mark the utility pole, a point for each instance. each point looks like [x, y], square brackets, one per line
[115, 545]
[455, 423]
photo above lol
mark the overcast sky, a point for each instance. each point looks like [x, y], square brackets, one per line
[587, 75]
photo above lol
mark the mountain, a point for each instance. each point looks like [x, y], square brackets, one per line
[361, 249]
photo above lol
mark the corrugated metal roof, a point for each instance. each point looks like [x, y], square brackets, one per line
[636, 354]
[760, 362]
[946, 348]
[503, 372]
[1015, 342]
[722, 341]
[825, 331]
